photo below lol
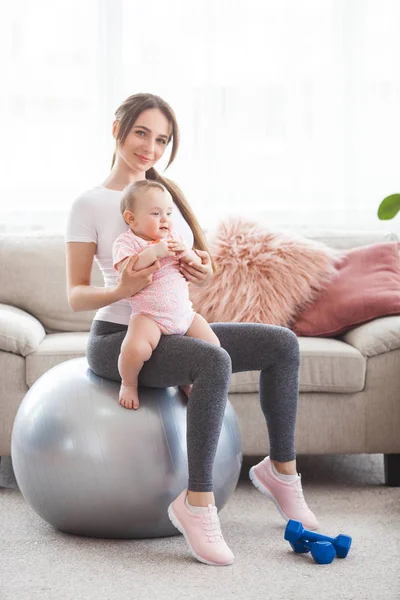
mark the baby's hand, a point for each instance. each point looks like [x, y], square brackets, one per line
[177, 246]
[162, 249]
[180, 250]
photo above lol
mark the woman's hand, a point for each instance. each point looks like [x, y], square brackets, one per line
[197, 274]
[132, 281]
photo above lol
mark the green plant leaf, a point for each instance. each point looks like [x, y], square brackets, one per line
[389, 207]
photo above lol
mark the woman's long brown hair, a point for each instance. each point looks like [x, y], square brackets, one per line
[126, 115]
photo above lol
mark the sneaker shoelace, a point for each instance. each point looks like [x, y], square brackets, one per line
[212, 525]
[299, 493]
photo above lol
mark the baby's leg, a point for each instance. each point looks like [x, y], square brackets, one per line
[141, 338]
[200, 329]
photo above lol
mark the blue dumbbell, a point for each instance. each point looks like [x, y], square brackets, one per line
[295, 533]
[322, 552]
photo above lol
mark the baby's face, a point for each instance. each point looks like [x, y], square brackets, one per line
[153, 215]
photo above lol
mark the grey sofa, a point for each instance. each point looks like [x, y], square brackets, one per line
[349, 387]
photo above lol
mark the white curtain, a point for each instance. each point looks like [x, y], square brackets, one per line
[287, 109]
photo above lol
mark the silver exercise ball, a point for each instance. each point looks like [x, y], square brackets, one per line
[90, 467]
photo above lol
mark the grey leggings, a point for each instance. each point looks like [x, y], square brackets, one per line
[182, 360]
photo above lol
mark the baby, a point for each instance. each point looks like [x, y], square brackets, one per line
[163, 307]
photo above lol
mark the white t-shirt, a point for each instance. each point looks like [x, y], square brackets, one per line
[95, 216]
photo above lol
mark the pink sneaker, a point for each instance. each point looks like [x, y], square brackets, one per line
[202, 532]
[288, 496]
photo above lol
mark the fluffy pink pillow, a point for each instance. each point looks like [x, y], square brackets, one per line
[262, 276]
[367, 286]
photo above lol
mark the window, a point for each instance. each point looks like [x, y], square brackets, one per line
[285, 108]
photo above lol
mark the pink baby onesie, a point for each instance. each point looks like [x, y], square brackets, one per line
[166, 299]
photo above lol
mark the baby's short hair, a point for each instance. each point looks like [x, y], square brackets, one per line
[132, 191]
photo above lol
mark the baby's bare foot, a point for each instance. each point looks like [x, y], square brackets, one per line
[186, 389]
[128, 396]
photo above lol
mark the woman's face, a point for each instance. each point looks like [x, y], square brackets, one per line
[146, 142]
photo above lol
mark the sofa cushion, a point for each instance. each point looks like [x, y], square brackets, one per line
[326, 365]
[262, 276]
[20, 333]
[366, 287]
[376, 337]
[33, 278]
[55, 348]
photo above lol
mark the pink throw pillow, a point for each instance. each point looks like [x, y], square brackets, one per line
[262, 276]
[366, 287]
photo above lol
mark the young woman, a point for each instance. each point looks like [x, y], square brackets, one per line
[143, 127]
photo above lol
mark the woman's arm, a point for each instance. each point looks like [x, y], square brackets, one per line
[83, 296]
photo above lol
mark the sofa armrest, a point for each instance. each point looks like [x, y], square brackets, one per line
[20, 332]
[376, 337]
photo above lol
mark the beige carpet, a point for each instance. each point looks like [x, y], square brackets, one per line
[346, 492]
